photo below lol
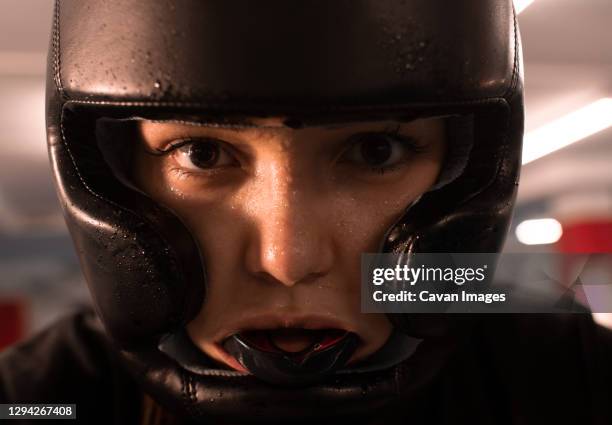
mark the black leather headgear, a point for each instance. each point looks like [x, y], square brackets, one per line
[311, 61]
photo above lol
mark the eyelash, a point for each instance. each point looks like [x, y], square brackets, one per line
[176, 144]
[179, 143]
[394, 133]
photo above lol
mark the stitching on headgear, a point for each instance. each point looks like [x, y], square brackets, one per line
[57, 64]
[515, 67]
[295, 108]
[184, 394]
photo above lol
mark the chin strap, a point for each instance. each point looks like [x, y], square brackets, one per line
[398, 348]
[185, 381]
[271, 364]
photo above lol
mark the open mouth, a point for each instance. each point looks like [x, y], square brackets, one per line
[296, 343]
[291, 356]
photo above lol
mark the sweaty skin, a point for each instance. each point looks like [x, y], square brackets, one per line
[282, 217]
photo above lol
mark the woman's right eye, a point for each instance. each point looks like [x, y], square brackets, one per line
[202, 154]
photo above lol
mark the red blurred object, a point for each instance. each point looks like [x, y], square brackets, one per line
[12, 321]
[593, 237]
[587, 237]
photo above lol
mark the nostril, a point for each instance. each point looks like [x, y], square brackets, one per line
[287, 281]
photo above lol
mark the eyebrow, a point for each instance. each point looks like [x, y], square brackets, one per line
[242, 125]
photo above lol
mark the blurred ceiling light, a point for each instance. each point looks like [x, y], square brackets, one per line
[566, 130]
[539, 232]
[521, 5]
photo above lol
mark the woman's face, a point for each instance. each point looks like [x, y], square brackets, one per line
[282, 217]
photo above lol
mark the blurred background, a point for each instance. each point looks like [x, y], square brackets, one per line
[565, 197]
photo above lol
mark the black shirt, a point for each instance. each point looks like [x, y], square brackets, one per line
[71, 362]
[513, 370]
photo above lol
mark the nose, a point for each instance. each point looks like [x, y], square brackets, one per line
[291, 242]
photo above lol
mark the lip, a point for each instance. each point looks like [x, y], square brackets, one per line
[272, 321]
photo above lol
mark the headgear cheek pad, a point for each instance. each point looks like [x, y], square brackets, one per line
[311, 62]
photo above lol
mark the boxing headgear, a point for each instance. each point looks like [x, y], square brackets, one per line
[310, 61]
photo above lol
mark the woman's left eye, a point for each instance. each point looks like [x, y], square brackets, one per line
[197, 155]
[378, 151]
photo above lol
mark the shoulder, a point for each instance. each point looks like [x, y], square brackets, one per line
[69, 362]
[549, 361]
[70, 352]
[570, 339]
[549, 332]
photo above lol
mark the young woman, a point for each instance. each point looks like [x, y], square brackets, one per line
[288, 265]
[223, 165]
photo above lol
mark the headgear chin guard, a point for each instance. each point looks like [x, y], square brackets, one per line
[313, 62]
